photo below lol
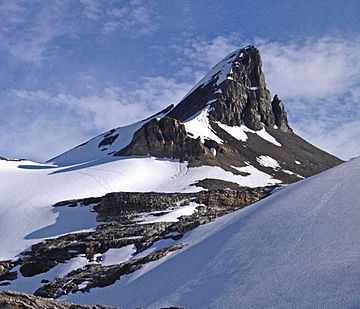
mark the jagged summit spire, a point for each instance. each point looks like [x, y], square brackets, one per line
[229, 120]
[236, 90]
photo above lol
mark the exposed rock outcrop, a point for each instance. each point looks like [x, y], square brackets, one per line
[17, 300]
[240, 98]
[234, 94]
[166, 137]
[280, 115]
[120, 214]
[95, 275]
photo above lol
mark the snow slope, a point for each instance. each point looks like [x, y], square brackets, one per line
[28, 190]
[98, 148]
[239, 132]
[298, 248]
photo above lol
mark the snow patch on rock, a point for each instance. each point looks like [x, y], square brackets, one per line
[268, 161]
[239, 132]
[172, 216]
[118, 255]
[199, 126]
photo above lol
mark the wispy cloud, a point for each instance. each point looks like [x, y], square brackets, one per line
[207, 52]
[62, 120]
[319, 82]
[92, 9]
[30, 30]
[317, 78]
[312, 69]
[135, 16]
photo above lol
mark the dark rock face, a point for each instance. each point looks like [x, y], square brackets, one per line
[280, 115]
[5, 270]
[17, 300]
[245, 99]
[242, 98]
[98, 275]
[108, 140]
[115, 205]
[166, 137]
[111, 136]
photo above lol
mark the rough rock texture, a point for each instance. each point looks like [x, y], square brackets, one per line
[116, 205]
[120, 213]
[280, 115]
[242, 98]
[5, 271]
[96, 275]
[245, 99]
[17, 300]
[166, 137]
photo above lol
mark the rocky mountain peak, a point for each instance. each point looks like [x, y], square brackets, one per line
[236, 92]
[227, 120]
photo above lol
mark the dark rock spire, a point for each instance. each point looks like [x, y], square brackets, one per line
[237, 93]
[280, 115]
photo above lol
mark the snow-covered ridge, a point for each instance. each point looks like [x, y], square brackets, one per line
[104, 144]
[298, 248]
[42, 185]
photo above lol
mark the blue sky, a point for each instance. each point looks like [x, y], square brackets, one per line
[73, 69]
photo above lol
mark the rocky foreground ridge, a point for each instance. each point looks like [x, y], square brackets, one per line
[121, 226]
[17, 300]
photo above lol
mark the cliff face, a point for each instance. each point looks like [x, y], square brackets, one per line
[166, 137]
[237, 91]
[229, 119]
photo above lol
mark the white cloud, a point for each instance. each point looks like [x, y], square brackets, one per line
[317, 79]
[313, 69]
[207, 53]
[135, 17]
[30, 29]
[62, 121]
[92, 9]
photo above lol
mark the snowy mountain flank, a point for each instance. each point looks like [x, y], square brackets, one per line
[298, 248]
[150, 214]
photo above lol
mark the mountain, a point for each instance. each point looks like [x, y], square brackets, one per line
[132, 196]
[298, 248]
[227, 120]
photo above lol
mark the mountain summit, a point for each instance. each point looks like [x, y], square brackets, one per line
[235, 93]
[227, 120]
